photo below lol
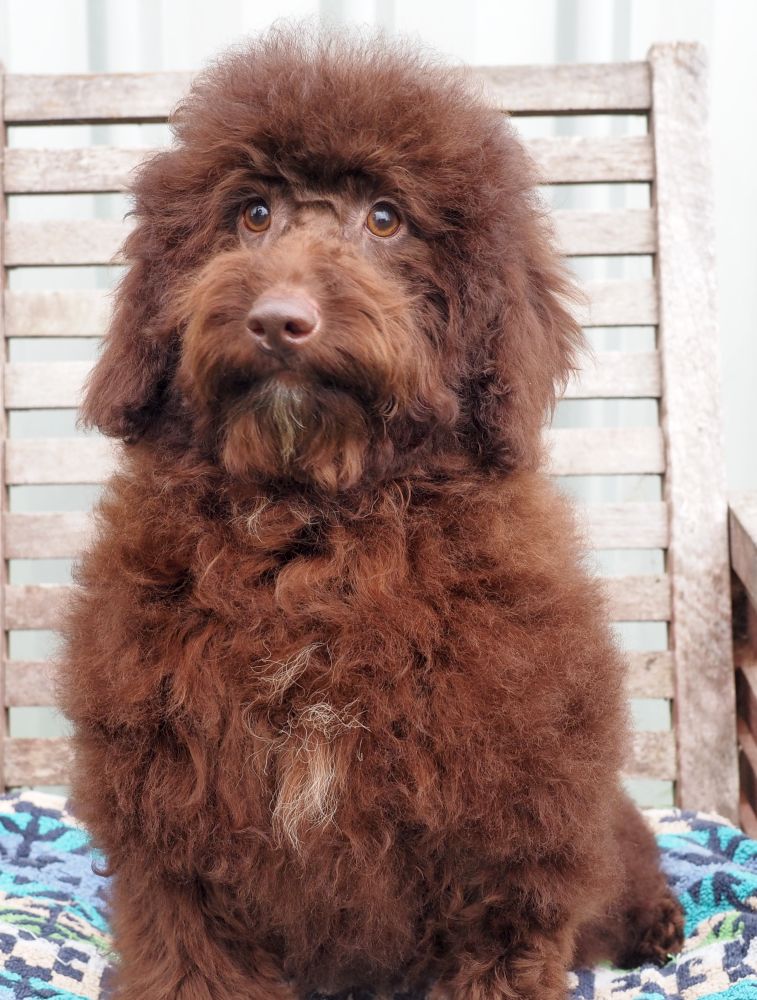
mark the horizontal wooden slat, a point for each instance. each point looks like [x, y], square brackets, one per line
[625, 525]
[93, 168]
[34, 605]
[617, 375]
[584, 451]
[606, 451]
[29, 683]
[76, 242]
[592, 451]
[37, 762]
[112, 97]
[62, 535]
[631, 598]
[653, 756]
[620, 303]
[33, 385]
[608, 526]
[614, 374]
[742, 518]
[97, 241]
[638, 598]
[561, 160]
[56, 314]
[58, 460]
[650, 675]
[46, 536]
[85, 313]
[589, 159]
[574, 89]
[48, 762]
[625, 231]
[117, 97]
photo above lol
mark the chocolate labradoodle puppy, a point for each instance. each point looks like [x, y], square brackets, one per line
[347, 710]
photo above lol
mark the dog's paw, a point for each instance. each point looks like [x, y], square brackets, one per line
[660, 932]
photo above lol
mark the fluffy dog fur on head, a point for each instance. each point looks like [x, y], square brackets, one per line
[347, 712]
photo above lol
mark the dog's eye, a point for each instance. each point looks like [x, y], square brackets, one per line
[257, 216]
[383, 219]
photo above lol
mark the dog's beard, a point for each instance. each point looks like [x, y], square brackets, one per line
[293, 427]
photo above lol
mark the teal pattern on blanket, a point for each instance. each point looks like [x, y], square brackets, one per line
[54, 935]
[712, 868]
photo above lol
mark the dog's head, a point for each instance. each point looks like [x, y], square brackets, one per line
[339, 273]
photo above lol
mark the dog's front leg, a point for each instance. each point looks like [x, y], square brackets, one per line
[535, 969]
[172, 948]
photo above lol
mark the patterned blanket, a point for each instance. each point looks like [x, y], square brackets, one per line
[54, 935]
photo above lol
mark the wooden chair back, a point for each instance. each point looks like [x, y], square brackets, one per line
[657, 483]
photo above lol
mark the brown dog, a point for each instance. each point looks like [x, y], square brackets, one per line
[347, 710]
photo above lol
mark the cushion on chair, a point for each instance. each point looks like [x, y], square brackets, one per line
[54, 936]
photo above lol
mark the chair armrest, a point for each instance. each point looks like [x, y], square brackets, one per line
[742, 525]
[742, 530]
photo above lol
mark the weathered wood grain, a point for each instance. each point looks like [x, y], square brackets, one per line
[580, 452]
[82, 313]
[747, 817]
[695, 480]
[59, 460]
[86, 313]
[605, 451]
[59, 535]
[119, 97]
[742, 519]
[36, 605]
[620, 303]
[606, 526]
[112, 97]
[616, 375]
[3, 437]
[747, 757]
[650, 675]
[570, 89]
[73, 243]
[41, 385]
[37, 762]
[29, 683]
[638, 598]
[653, 756]
[629, 598]
[591, 159]
[562, 160]
[746, 693]
[98, 241]
[65, 171]
[633, 525]
[624, 231]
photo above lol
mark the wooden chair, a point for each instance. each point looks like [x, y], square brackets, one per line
[685, 523]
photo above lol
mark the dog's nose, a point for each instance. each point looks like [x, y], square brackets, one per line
[282, 320]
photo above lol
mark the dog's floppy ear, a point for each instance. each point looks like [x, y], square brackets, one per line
[525, 356]
[124, 391]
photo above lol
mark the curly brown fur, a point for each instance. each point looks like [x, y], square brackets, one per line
[347, 709]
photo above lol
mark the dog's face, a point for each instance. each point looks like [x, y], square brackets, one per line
[308, 345]
[338, 275]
